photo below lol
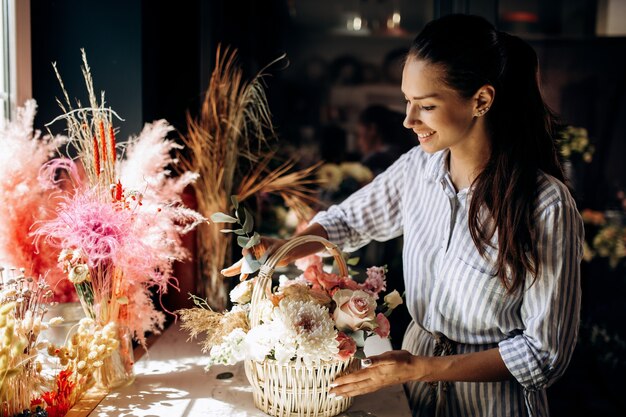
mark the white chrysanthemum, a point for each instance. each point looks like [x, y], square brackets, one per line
[309, 329]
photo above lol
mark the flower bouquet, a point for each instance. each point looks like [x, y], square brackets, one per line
[22, 307]
[296, 339]
[119, 230]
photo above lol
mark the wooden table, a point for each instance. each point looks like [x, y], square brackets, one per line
[171, 382]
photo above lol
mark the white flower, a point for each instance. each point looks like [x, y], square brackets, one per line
[393, 299]
[260, 342]
[309, 328]
[359, 172]
[55, 321]
[77, 255]
[291, 219]
[330, 176]
[65, 255]
[242, 293]
[231, 350]
[78, 274]
[265, 309]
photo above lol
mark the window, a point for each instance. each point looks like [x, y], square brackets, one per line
[4, 60]
[15, 59]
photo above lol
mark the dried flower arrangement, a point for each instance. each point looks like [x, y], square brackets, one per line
[22, 307]
[25, 151]
[84, 353]
[227, 145]
[120, 230]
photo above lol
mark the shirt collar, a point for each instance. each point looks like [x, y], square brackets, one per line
[436, 166]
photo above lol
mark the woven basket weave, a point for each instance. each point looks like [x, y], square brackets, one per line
[285, 390]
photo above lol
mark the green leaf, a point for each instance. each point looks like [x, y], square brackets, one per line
[240, 214]
[250, 265]
[222, 218]
[233, 199]
[242, 241]
[359, 338]
[248, 222]
[240, 232]
[353, 261]
[254, 240]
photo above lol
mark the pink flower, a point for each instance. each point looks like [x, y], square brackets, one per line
[304, 263]
[383, 326]
[320, 279]
[347, 346]
[356, 310]
[375, 281]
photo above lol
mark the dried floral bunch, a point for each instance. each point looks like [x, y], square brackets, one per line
[120, 230]
[318, 317]
[609, 239]
[28, 200]
[332, 176]
[83, 353]
[228, 146]
[575, 141]
[22, 307]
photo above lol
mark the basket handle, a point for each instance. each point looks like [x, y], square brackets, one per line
[262, 287]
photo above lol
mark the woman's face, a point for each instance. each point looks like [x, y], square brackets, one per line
[438, 115]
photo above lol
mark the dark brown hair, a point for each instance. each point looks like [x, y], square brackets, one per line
[473, 53]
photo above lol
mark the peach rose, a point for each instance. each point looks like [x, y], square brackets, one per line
[347, 346]
[356, 310]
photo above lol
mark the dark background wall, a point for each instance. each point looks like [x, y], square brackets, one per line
[110, 33]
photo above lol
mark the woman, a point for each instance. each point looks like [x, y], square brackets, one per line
[493, 239]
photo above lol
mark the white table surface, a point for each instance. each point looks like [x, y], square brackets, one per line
[171, 382]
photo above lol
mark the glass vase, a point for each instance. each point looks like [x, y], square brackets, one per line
[117, 370]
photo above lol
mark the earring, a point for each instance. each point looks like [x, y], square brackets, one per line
[481, 112]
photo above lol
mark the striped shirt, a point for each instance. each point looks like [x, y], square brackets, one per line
[453, 291]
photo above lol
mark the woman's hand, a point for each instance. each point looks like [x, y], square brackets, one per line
[266, 245]
[389, 368]
[270, 245]
[399, 366]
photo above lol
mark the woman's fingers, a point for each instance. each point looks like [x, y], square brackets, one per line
[389, 368]
[266, 245]
[234, 269]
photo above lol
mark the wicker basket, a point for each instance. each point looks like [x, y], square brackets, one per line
[285, 390]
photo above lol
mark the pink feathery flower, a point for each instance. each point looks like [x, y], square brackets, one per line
[99, 229]
[27, 200]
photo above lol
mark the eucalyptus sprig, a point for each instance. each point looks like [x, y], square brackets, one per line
[246, 236]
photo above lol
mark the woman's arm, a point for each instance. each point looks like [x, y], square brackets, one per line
[399, 366]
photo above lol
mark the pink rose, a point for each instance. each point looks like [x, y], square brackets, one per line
[356, 310]
[383, 326]
[347, 346]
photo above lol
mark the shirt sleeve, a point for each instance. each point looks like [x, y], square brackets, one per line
[372, 213]
[550, 310]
